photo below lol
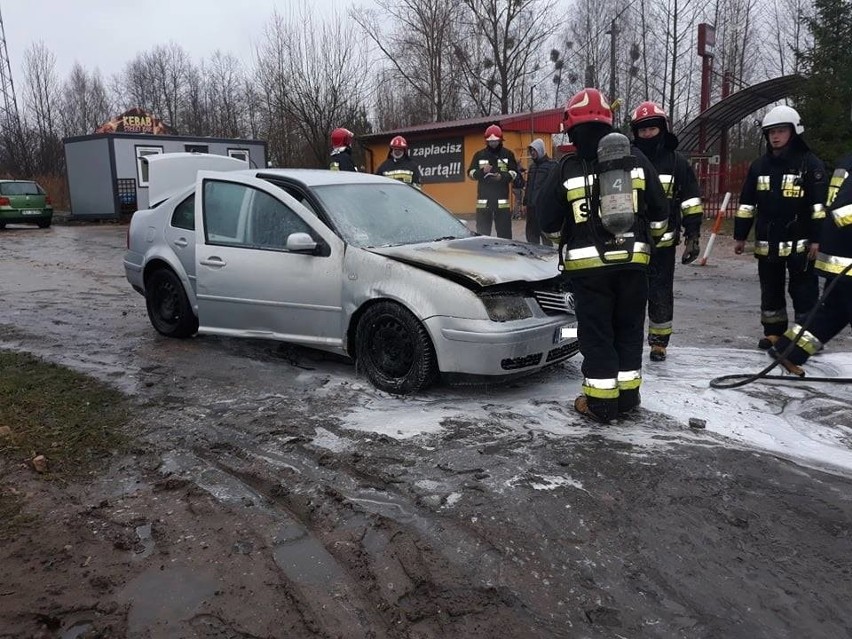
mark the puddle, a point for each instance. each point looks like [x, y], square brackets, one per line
[143, 532]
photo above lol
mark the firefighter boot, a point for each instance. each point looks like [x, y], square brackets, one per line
[581, 405]
[658, 353]
[767, 341]
[790, 367]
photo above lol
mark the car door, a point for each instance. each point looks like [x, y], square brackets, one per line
[248, 282]
[180, 234]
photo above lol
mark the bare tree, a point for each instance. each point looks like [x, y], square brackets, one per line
[503, 45]
[40, 101]
[84, 102]
[224, 86]
[315, 74]
[418, 45]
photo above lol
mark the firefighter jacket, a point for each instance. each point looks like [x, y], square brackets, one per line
[784, 198]
[835, 248]
[504, 170]
[341, 160]
[569, 205]
[403, 169]
[681, 188]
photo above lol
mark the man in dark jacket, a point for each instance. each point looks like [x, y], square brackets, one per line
[606, 259]
[540, 166]
[784, 198]
[399, 164]
[834, 262]
[494, 168]
[652, 135]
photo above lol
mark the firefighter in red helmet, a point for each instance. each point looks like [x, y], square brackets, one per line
[494, 168]
[653, 136]
[399, 164]
[605, 203]
[341, 150]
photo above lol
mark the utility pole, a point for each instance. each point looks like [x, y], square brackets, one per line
[9, 106]
[612, 31]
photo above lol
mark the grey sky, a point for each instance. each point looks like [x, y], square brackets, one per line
[106, 34]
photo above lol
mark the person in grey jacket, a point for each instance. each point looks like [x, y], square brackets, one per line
[540, 166]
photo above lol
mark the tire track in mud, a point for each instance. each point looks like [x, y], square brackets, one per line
[392, 551]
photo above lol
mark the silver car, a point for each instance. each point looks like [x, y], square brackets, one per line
[351, 263]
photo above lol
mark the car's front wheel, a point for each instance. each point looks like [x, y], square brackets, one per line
[168, 306]
[394, 350]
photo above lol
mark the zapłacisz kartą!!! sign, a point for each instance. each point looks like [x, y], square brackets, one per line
[439, 161]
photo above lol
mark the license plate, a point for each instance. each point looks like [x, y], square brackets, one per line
[30, 212]
[565, 333]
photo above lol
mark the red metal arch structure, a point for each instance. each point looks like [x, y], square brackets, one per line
[727, 112]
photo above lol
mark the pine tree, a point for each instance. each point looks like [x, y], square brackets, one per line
[825, 102]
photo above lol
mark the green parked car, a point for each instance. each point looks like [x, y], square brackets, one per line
[24, 201]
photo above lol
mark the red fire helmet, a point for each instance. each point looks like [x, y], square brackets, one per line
[493, 132]
[341, 137]
[589, 105]
[399, 142]
[646, 112]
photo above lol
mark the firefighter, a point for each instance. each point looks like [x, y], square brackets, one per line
[495, 169]
[605, 250]
[652, 135]
[835, 256]
[399, 164]
[783, 197]
[341, 150]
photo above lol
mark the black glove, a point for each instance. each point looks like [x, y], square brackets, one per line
[691, 249]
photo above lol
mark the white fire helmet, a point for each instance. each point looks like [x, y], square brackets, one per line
[783, 115]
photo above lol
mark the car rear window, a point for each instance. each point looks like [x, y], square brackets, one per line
[20, 188]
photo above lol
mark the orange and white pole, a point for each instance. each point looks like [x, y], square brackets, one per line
[717, 224]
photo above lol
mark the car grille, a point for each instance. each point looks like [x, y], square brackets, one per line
[563, 351]
[552, 302]
[514, 363]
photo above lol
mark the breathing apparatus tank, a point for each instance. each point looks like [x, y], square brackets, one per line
[615, 164]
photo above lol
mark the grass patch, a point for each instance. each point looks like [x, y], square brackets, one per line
[70, 418]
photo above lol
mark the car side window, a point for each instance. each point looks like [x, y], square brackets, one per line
[184, 214]
[239, 215]
[271, 222]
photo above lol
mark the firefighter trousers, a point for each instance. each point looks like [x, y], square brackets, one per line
[833, 315]
[611, 327]
[661, 295]
[501, 216]
[802, 285]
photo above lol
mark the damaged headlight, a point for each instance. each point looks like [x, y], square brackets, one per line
[505, 308]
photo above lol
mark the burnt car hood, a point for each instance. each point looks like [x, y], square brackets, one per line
[479, 261]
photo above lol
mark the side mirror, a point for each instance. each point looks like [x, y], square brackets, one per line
[301, 243]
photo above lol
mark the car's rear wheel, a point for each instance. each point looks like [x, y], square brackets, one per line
[43, 224]
[394, 350]
[168, 306]
[2, 225]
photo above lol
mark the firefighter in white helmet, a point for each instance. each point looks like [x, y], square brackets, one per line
[783, 197]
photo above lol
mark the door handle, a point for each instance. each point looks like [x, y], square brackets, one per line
[181, 242]
[214, 261]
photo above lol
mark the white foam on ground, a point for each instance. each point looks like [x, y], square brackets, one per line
[811, 423]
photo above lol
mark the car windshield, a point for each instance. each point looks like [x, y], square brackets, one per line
[20, 188]
[369, 215]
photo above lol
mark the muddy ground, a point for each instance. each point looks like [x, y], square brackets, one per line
[267, 494]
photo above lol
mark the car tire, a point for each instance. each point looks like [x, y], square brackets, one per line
[43, 224]
[167, 304]
[394, 350]
[2, 225]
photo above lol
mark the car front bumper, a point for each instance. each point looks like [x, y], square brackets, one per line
[482, 348]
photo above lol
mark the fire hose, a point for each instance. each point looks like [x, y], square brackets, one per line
[725, 381]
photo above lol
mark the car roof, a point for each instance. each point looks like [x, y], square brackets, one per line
[7, 181]
[322, 177]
